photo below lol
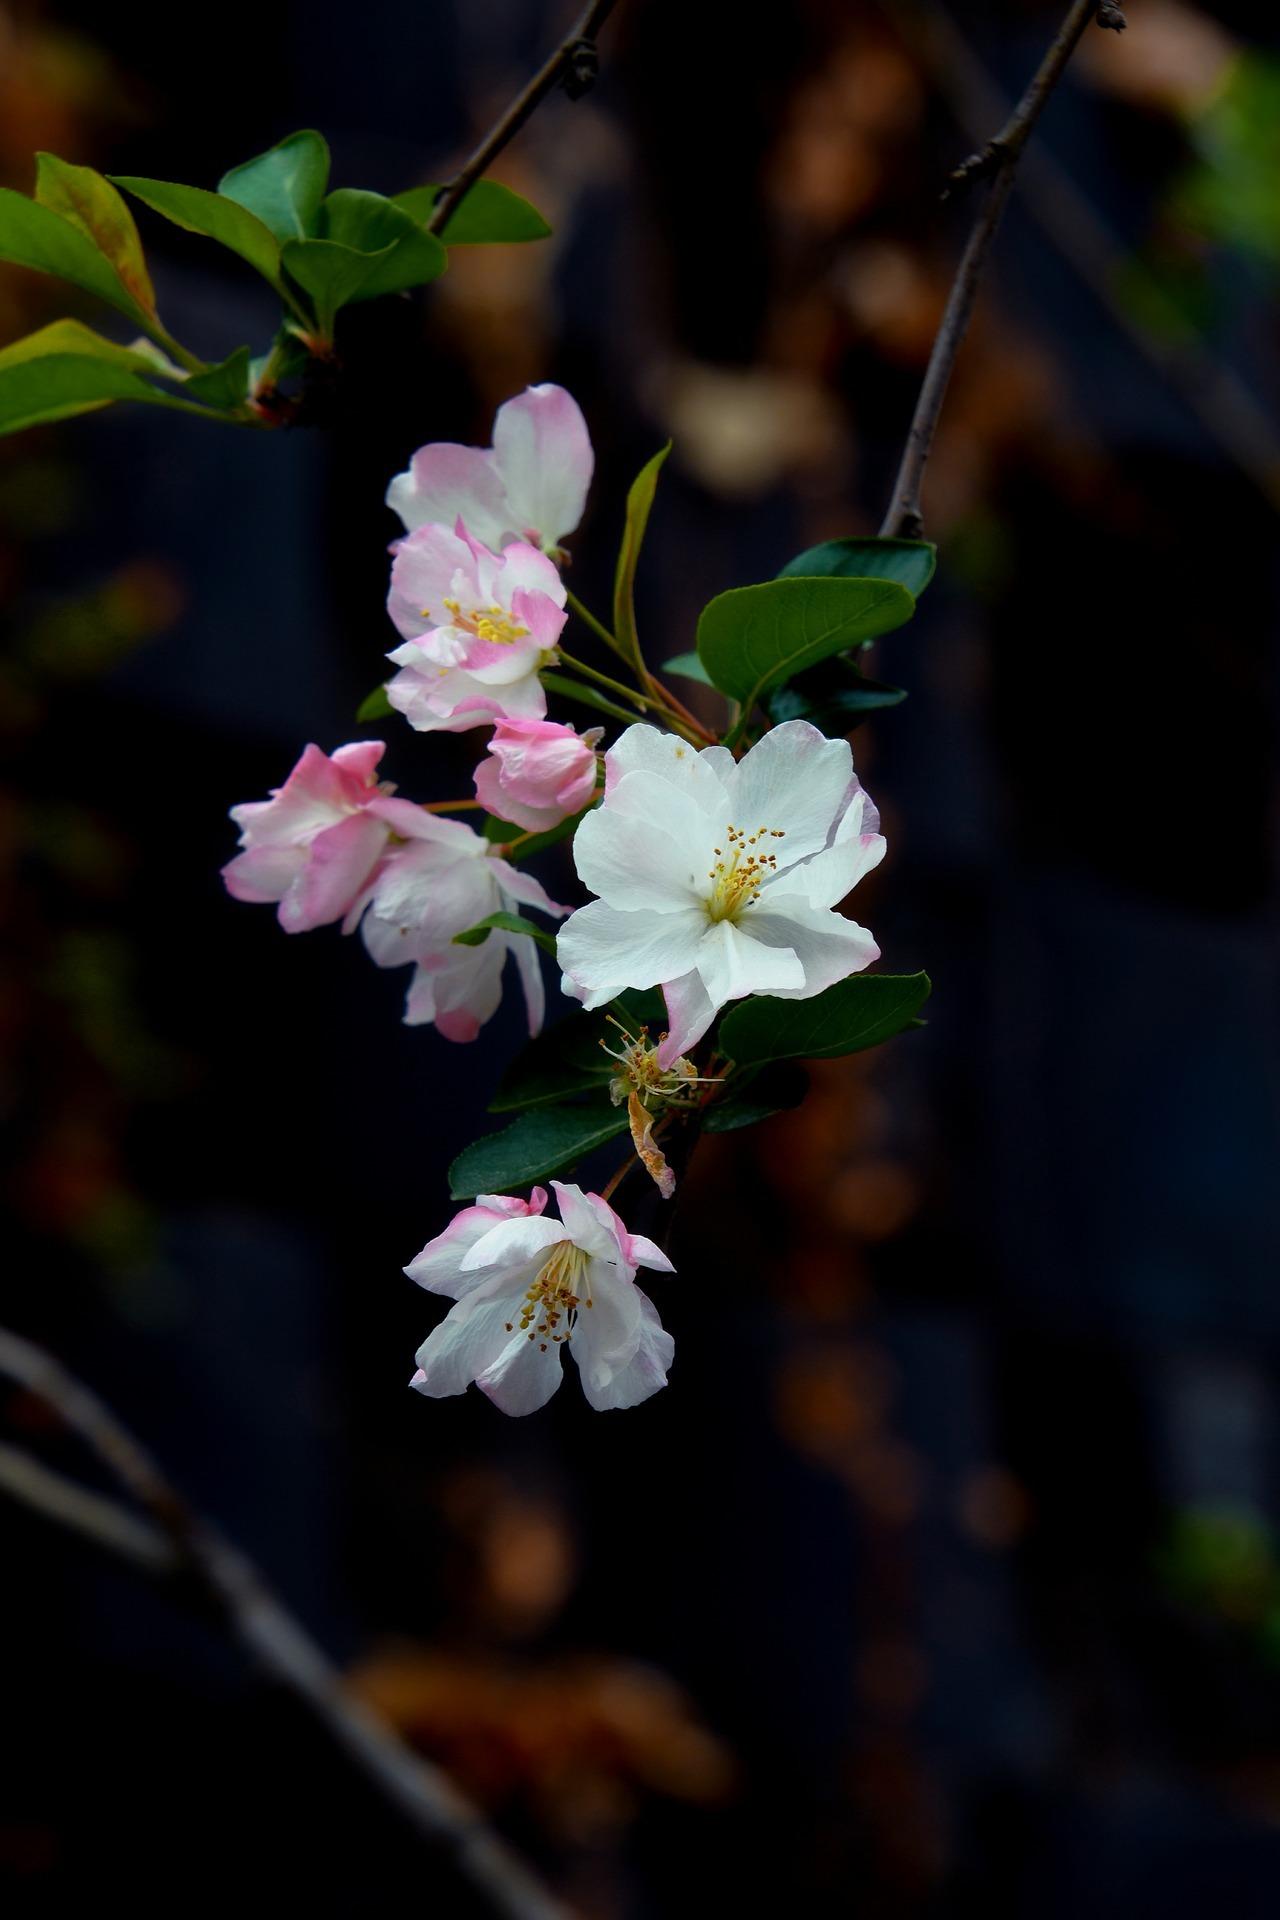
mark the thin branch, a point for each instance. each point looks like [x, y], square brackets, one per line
[175, 1542]
[998, 162]
[573, 65]
[1229, 413]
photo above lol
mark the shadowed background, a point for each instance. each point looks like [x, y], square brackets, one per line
[945, 1577]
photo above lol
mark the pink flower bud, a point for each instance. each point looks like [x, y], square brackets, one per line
[537, 773]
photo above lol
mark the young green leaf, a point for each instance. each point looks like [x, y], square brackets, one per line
[541, 1142]
[66, 369]
[90, 203]
[329, 274]
[689, 667]
[505, 923]
[489, 214]
[220, 219]
[32, 235]
[909, 562]
[639, 503]
[225, 386]
[374, 706]
[284, 186]
[856, 1013]
[753, 639]
[370, 223]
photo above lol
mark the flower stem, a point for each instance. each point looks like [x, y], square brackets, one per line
[602, 679]
[453, 806]
[597, 627]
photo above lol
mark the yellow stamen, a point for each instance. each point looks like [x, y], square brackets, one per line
[740, 871]
[554, 1295]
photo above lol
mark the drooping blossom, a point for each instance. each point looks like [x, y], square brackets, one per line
[526, 1286]
[438, 881]
[718, 878]
[315, 843]
[537, 772]
[477, 627]
[530, 485]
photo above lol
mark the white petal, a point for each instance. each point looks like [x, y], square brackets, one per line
[606, 1332]
[471, 1337]
[514, 1243]
[529, 968]
[647, 750]
[439, 1266]
[794, 780]
[824, 880]
[604, 950]
[543, 452]
[587, 1226]
[643, 1374]
[828, 947]
[733, 964]
[634, 862]
[524, 1376]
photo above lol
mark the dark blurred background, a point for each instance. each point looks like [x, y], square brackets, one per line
[945, 1578]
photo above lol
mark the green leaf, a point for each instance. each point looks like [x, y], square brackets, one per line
[856, 1013]
[756, 1095]
[369, 224]
[374, 706]
[752, 639]
[544, 1141]
[490, 213]
[505, 923]
[567, 1059]
[88, 202]
[284, 186]
[834, 697]
[909, 562]
[639, 503]
[689, 667]
[32, 235]
[66, 369]
[225, 386]
[225, 221]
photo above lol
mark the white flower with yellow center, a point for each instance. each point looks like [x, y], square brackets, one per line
[527, 1288]
[718, 878]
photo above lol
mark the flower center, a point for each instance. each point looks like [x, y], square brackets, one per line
[487, 623]
[554, 1295]
[740, 871]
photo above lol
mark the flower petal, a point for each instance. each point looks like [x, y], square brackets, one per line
[828, 947]
[649, 846]
[643, 749]
[733, 964]
[439, 1266]
[470, 1338]
[628, 1383]
[340, 861]
[524, 1375]
[445, 482]
[543, 452]
[604, 950]
[690, 1011]
[794, 780]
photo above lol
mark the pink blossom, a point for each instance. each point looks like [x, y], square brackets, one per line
[315, 843]
[538, 772]
[441, 880]
[477, 628]
[526, 1286]
[530, 485]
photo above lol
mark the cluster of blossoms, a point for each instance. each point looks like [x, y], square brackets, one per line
[712, 878]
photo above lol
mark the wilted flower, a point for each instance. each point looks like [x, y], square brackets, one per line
[442, 880]
[530, 485]
[477, 628]
[526, 1286]
[718, 878]
[538, 772]
[314, 844]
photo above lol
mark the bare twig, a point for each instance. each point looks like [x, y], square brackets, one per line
[175, 1542]
[573, 65]
[998, 160]
[1229, 413]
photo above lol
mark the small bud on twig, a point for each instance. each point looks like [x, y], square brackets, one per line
[1112, 16]
[582, 69]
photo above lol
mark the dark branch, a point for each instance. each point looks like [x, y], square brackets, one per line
[175, 1543]
[573, 65]
[998, 161]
